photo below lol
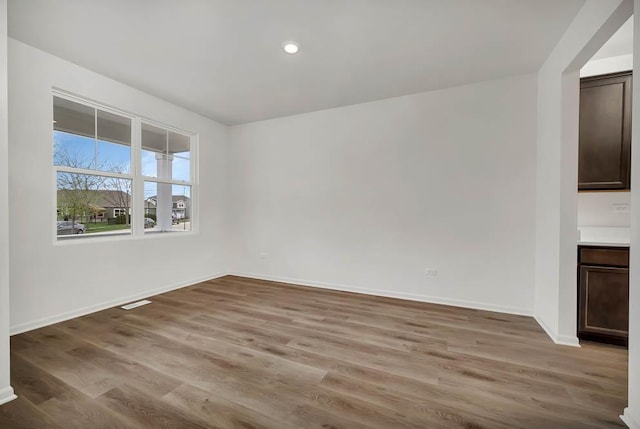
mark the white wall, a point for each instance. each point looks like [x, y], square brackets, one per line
[604, 209]
[366, 197]
[557, 164]
[607, 65]
[6, 392]
[53, 281]
[632, 413]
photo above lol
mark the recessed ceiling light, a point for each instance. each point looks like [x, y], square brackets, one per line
[291, 47]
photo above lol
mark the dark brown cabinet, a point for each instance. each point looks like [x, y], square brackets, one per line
[603, 294]
[605, 132]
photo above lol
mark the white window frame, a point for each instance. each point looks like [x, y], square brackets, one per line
[135, 175]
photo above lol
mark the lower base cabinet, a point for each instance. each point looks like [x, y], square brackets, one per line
[603, 294]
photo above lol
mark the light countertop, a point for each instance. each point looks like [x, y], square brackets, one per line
[603, 236]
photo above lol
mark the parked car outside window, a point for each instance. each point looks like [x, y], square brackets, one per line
[65, 227]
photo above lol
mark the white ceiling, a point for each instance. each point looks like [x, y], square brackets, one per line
[223, 58]
[621, 43]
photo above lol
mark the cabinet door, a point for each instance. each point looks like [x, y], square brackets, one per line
[604, 304]
[605, 132]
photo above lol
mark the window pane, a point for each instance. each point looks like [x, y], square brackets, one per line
[92, 205]
[179, 152]
[154, 138]
[167, 207]
[72, 150]
[165, 154]
[181, 168]
[154, 150]
[73, 134]
[115, 158]
[114, 143]
[114, 128]
[181, 199]
[73, 118]
[149, 163]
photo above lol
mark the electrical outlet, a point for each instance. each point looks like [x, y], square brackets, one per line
[431, 271]
[263, 255]
[620, 208]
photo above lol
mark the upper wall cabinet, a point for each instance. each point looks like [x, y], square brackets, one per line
[605, 132]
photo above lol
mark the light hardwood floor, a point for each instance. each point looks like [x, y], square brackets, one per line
[243, 353]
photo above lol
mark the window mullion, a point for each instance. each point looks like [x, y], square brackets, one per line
[193, 175]
[95, 138]
[167, 181]
[138, 183]
[74, 170]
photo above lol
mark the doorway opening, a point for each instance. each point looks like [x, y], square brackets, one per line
[604, 191]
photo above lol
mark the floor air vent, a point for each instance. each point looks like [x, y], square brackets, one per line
[136, 304]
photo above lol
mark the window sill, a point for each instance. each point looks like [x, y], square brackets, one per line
[71, 240]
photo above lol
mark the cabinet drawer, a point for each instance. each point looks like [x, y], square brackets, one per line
[618, 257]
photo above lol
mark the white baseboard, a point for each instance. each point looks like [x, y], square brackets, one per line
[562, 340]
[391, 294]
[630, 420]
[7, 395]
[29, 326]
[567, 340]
[550, 333]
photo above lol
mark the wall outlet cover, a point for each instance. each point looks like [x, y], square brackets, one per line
[620, 208]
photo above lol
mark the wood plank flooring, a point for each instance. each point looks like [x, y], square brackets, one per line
[244, 353]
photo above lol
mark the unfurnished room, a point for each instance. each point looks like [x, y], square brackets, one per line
[335, 214]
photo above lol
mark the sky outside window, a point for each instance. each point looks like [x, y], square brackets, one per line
[83, 150]
[89, 138]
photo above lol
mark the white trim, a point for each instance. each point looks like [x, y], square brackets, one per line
[546, 328]
[29, 326]
[630, 420]
[73, 240]
[391, 294]
[567, 340]
[562, 340]
[137, 190]
[7, 395]
[135, 170]
[158, 124]
[61, 93]
[89, 172]
[167, 181]
[194, 161]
